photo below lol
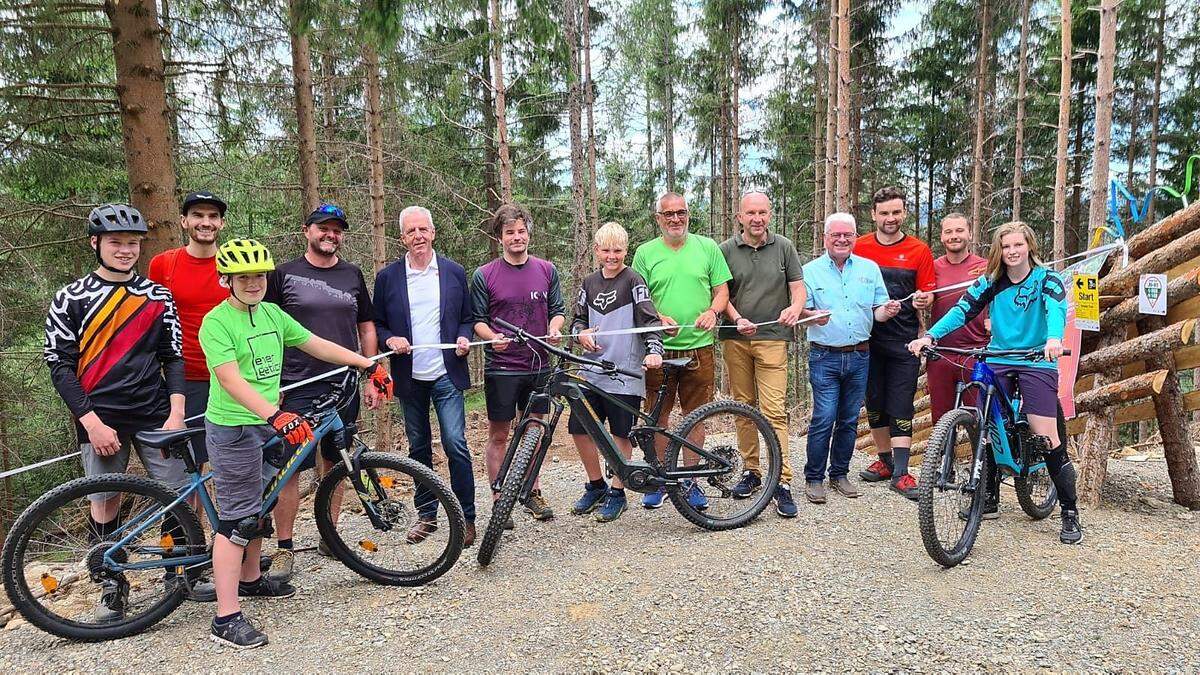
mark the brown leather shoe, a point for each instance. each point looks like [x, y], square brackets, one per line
[814, 491]
[421, 530]
[469, 536]
[844, 487]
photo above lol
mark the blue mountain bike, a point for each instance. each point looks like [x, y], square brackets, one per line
[954, 482]
[59, 568]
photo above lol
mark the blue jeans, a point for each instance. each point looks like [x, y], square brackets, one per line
[451, 411]
[839, 384]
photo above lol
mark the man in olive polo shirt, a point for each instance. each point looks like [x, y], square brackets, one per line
[767, 285]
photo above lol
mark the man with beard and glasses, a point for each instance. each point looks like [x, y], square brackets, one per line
[190, 273]
[328, 296]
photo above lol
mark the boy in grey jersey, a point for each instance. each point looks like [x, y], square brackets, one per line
[612, 298]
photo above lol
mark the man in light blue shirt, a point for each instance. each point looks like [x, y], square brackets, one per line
[851, 288]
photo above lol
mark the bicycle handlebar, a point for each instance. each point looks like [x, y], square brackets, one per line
[1030, 354]
[520, 335]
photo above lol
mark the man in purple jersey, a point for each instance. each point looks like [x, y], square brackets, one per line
[524, 291]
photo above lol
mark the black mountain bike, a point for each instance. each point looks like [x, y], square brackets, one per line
[703, 453]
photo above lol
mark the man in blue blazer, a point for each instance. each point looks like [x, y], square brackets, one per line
[423, 299]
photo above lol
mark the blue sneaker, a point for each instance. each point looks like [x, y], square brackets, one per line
[592, 496]
[695, 497]
[612, 508]
[747, 485]
[654, 500]
[785, 506]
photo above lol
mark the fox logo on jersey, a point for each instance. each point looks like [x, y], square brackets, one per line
[603, 300]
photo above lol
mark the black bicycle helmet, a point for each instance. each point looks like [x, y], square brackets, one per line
[109, 218]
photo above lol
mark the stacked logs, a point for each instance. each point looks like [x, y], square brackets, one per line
[1128, 371]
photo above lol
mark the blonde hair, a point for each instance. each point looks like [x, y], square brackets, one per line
[612, 235]
[995, 264]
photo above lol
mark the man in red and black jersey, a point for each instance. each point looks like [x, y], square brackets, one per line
[907, 266]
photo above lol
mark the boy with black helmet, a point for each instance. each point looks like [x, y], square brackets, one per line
[243, 340]
[113, 347]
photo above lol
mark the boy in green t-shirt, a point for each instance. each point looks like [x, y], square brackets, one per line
[243, 340]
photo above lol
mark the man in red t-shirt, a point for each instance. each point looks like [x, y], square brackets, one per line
[190, 273]
[957, 266]
[907, 266]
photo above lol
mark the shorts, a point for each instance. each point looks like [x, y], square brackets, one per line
[195, 402]
[620, 421]
[693, 385]
[170, 471]
[506, 394]
[236, 457]
[1039, 388]
[300, 400]
[891, 382]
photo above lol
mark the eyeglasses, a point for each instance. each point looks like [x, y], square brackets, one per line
[331, 209]
[841, 235]
[681, 213]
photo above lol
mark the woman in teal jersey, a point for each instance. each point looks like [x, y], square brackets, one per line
[1028, 305]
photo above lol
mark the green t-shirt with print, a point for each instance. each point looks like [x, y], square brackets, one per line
[227, 334]
[681, 283]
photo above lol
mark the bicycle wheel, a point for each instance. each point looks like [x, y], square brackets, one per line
[54, 569]
[503, 507]
[400, 490]
[949, 513]
[1036, 493]
[726, 429]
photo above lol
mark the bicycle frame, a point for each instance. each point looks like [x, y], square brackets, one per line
[1000, 418]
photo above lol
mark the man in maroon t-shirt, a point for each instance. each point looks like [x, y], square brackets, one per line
[957, 266]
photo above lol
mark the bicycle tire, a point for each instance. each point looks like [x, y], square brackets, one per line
[769, 482]
[943, 435]
[372, 570]
[503, 507]
[1040, 510]
[17, 543]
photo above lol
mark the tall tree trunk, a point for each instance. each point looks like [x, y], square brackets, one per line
[982, 59]
[832, 110]
[1098, 433]
[917, 192]
[374, 121]
[1072, 235]
[1159, 48]
[735, 146]
[823, 112]
[930, 170]
[590, 94]
[1019, 141]
[843, 118]
[329, 91]
[1064, 122]
[145, 119]
[302, 90]
[668, 132]
[502, 154]
[649, 138]
[172, 98]
[582, 233]
[491, 159]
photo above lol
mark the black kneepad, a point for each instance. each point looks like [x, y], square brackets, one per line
[878, 420]
[900, 427]
[245, 530]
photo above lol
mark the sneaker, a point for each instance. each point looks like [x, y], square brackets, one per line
[202, 590]
[906, 485]
[538, 507]
[747, 485]
[877, 472]
[844, 487]
[785, 506]
[1071, 533]
[113, 597]
[990, 512]
[238, 634]
[265, 587]
[814, 491]
[283, 564]
[695, 496]
[654, 500]
[592, 496]
[613, 506]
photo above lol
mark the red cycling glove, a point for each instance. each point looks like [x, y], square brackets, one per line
[378, 375]
[294, 429]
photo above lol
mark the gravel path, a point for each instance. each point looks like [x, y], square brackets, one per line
[846, 586]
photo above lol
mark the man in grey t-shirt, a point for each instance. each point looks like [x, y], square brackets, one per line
[767, 285]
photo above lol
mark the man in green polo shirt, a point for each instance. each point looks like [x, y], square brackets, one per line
[688, 281]
[767, 286]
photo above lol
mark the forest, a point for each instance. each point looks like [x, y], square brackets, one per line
[583, 110]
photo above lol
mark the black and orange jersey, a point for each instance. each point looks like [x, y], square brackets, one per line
[114, 349]
[907, 266]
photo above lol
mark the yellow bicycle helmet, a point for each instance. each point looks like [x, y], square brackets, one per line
[244, 256]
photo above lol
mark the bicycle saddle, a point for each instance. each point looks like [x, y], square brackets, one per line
[161, 438]
[676, 363]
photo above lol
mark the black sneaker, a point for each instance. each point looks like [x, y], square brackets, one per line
[265, 588]
[114, 596]
[747, 485]
[238, 634]
[1071, 533]
[785, 506]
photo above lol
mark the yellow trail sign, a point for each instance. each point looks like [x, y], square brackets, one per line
[1087, 301]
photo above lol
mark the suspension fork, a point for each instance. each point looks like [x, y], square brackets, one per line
[368, 495]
